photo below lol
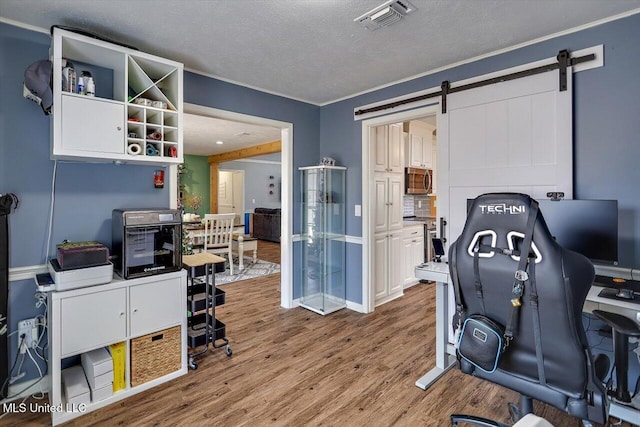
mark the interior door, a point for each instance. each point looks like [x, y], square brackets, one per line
[513, 136]
[225, 192]
[238, 196]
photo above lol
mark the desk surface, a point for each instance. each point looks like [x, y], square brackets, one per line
[439, 272]
[203, 258]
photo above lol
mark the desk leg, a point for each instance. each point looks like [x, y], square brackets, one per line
[444, 361]
[240, 254]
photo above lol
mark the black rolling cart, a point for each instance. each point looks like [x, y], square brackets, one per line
[202, 299]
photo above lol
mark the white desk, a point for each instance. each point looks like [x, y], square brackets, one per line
[445, 353]
[445, 357]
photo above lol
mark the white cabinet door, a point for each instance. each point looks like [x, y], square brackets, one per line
[395, 192]
[380, 149]
[92, 320]
[407, 261]
[381, 269]
[395, 156]
[91, 125]
[396, 282]
[154, 306]
[417, 253]
[380, 203]
[427, 153]
[415, 151]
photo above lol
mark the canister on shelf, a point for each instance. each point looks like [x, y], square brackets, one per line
[90, 87]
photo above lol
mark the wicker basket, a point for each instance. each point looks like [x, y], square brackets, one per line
[155, 355]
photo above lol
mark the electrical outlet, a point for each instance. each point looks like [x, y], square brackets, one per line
[28, 328]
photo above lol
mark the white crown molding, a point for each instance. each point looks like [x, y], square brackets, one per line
[25, 26]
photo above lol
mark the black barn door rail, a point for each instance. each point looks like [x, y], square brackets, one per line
[564, 61]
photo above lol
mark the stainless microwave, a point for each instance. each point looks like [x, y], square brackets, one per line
[146, 241]
[418, 181]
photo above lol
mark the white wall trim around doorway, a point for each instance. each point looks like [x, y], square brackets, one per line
[286, 137]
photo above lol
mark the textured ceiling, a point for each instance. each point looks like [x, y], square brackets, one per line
[311, 49]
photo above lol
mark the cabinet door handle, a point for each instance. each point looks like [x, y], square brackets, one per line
[121, 313]
[415, 232]
[119, 127]
[413, 241]
[135, 310]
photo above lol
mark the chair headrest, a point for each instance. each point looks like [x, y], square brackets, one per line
[500, 219]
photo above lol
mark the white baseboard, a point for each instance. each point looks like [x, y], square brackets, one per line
[356, 307]
[350, 305]
[24, 389]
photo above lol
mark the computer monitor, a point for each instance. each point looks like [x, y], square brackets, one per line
[589, 227]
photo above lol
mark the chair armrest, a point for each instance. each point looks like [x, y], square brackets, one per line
[619, 323]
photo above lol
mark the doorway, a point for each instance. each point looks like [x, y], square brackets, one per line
[231, 193]
[286, 139]
[370, 150]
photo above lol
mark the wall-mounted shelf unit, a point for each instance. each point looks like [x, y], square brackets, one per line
[136, 114]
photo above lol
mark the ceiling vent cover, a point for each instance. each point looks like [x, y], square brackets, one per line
[386, 14]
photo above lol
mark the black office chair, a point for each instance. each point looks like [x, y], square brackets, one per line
[483, 262]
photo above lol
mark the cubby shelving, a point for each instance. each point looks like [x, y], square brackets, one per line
[136, 115]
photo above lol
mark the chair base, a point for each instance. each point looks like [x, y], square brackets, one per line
[516, 412]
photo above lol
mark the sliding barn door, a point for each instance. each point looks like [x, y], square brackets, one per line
[513, 136]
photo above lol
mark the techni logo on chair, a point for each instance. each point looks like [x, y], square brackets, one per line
[502, 209]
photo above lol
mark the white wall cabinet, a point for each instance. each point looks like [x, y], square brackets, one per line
[388, 150]
[412, 253]
[136, 113]
[84, 319]
[418, 145]
[388, 191]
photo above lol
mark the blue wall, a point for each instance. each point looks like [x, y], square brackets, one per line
[256, 183]
[606, 127]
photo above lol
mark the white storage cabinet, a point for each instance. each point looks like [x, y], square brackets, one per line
[81, 320]
[388, 152]
[112, 126]
[412, 253]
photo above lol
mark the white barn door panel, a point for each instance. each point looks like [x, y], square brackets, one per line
[513, 136]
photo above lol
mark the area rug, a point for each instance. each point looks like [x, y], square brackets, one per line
[251, 269]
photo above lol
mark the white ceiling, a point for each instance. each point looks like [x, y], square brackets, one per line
[201, 134]
[312, 50]
[309, 50]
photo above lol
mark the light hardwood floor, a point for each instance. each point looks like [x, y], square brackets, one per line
[296, 368]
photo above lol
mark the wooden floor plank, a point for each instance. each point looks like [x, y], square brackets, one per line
[297, 368]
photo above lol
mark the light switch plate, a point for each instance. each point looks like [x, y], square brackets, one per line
[358, 210]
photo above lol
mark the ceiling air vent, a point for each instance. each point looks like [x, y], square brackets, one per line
[386, 14]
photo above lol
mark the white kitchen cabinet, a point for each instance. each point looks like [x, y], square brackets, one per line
[83, 319]
[388, 152]
[412, 253]
[388, 191]
[418, 150]
[136, 113]
[388, 266]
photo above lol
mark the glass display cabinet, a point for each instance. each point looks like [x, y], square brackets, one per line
[323, 238]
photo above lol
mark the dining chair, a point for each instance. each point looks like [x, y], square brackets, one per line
[218, 235]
